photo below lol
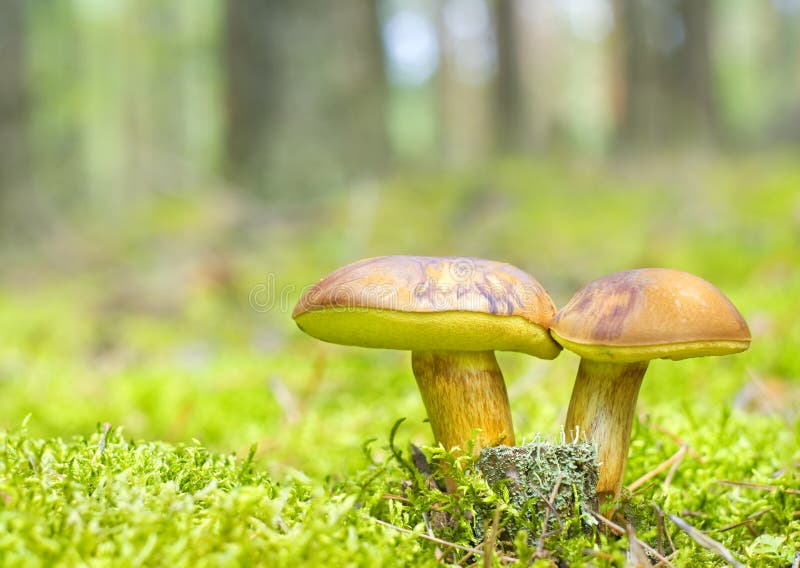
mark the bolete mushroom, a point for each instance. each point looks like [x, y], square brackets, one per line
[617, 324]
[452, 313]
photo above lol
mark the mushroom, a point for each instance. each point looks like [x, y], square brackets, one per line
[617, 324]
[452, 313]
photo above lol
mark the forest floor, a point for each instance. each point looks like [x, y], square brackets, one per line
[159, 407]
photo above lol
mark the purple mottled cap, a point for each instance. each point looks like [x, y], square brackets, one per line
[430, 303]
[650, 313]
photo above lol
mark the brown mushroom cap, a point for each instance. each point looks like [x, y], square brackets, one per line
[650, 313]
[430, 303]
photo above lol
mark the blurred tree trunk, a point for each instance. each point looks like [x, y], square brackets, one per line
[252, 81]
[665, 89]
[510, 117]
[14, 105]
[305, 94]
[466, 114]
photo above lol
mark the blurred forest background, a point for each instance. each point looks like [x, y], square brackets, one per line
[106, 102]
[172, 173]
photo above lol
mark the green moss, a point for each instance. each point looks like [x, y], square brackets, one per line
[124, 335]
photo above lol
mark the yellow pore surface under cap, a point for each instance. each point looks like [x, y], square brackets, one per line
[634, 353]
[428, 331]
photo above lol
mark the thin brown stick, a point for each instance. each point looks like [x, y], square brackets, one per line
[619, 531]
[437, 540]
[758, 486]
[661, 467]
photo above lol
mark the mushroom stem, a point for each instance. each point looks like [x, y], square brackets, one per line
[462, 391]
[601, 411]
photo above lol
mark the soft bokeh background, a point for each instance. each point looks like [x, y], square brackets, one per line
[172, 174]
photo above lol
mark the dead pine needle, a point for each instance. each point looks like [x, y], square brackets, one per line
[746, 522]
[674, 468]
[759, 486]
[491, 539]
[636, 554]
[706, 541]
[619, 531]
[437, 540]
[669, 462]
[662, 530]
[675, 438]
[394, 497]
[101, 446]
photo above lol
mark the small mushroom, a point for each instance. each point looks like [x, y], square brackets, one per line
[452, 313]
[617, 324]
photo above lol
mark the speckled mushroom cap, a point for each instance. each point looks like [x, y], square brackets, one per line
[650, 313]
[423, 303]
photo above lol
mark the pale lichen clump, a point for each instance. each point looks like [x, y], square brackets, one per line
[547, 483]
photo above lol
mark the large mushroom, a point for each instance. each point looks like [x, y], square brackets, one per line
[617, 324]
[452, 313]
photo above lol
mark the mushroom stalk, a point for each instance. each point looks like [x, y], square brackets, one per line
[462, 391]
[601, 411]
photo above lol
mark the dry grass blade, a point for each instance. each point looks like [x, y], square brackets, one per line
[619, 531]
[437, 540]
[674, 458]
[758, 486]
[707, 542]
